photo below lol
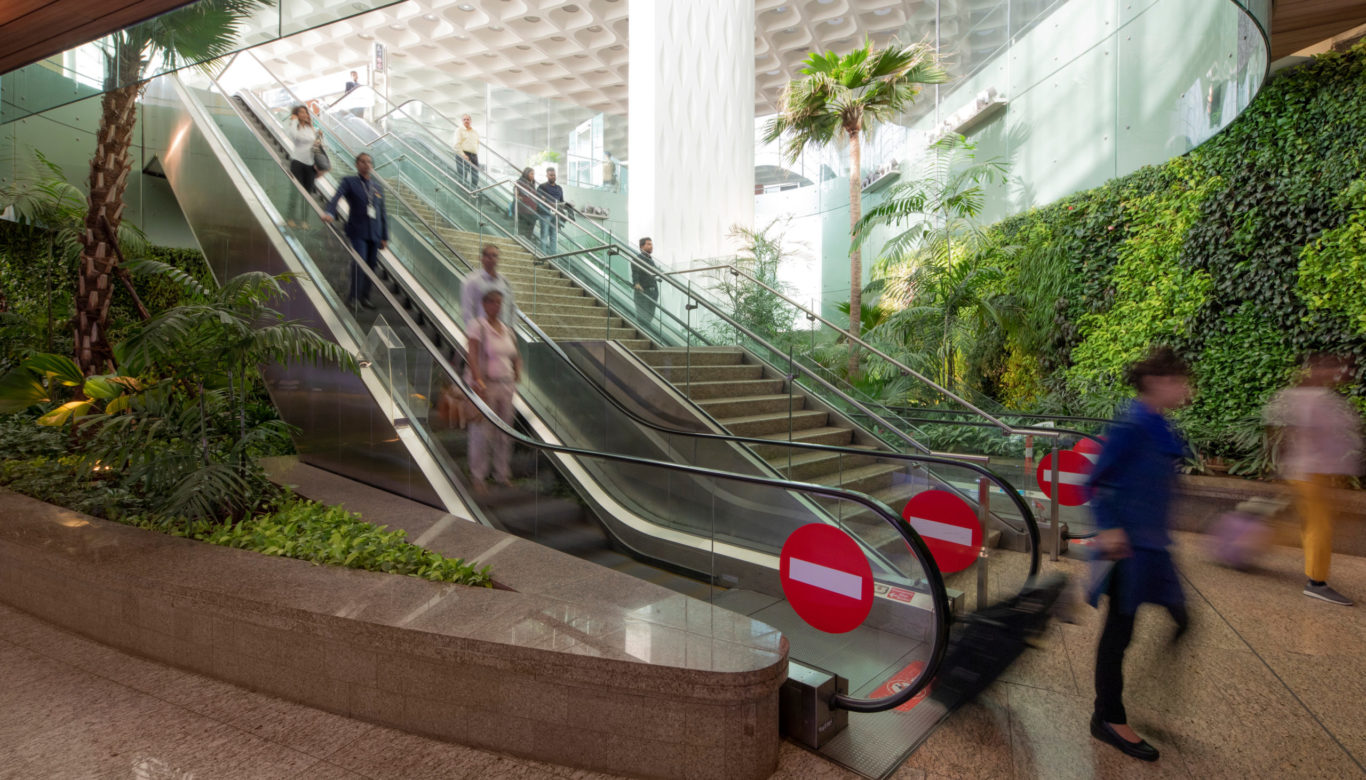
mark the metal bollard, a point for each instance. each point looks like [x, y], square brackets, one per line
[1053, 509]
[983, 557]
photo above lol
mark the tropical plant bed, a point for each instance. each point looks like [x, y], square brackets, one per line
[286, 525]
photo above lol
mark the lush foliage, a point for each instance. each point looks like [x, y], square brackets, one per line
[1243, 254]
[289, 527]
[178, 427]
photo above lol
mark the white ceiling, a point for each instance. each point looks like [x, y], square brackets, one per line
[576, 51]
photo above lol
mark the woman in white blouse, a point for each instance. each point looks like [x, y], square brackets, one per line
[493, 369]
[302, 136]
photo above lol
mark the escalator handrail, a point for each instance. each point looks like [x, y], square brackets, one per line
[934, 578]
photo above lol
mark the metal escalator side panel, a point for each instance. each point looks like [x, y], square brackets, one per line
[342, 422]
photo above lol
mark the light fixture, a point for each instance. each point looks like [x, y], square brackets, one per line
[397, 26]
[533, 19]
[523, 47]
[595, 28]
[557, 38]
[837, 20]
[466, 7]
[429, 17]
[496, 27]
[882, 12]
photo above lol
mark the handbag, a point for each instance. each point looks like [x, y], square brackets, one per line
[320, 159]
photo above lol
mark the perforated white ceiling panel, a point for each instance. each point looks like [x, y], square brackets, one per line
[444, 51]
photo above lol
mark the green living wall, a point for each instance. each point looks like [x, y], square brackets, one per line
[1243, 254]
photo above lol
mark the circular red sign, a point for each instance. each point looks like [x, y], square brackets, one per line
[826, 578]
[949, 526]
[1087, 447]
[1073, 469]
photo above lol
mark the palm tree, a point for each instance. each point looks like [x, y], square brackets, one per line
[196, 33]
[850, 95]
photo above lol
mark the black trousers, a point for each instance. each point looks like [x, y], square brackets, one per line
[1114, 641]
[360, 283]
[306, 175]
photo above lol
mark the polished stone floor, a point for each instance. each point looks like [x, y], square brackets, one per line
[1268, 684]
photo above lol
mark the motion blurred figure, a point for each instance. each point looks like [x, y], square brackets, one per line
[1320, 448]
[1132, 487]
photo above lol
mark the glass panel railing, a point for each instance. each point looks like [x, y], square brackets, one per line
[437, 267]
[707, 532]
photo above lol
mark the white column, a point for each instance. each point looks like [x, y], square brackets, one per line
[691, 125]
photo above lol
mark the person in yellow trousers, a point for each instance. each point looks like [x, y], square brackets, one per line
[1320, 449]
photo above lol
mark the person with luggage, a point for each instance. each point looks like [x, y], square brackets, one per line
[1320, 448]
[1131, 487]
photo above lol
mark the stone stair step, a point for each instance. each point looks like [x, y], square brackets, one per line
[706, 373]
[697, 356]
[748, 406]
[565, 333]
[732, 389]
[864, 479]
[594, 318]
[819, 435]
[768, 424]
[817, 466]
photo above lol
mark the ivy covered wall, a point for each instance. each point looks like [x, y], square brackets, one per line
[1243, 254]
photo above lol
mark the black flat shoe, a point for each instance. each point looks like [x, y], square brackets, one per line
[1140, 749]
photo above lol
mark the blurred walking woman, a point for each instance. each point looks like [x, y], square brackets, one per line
[493, 369]
[302, 137]
[1132, 487]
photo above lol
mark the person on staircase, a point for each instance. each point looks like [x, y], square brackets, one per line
[1320, 451]
[467, 148]
[1132, 487]
[646, 281]
[527, 206]
[367, 224]
[552, 197]
[493, 370]
[478, 283]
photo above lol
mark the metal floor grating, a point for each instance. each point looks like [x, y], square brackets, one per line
[876, 744]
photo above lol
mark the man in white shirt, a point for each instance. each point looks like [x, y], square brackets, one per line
[467, 148]
[479, 282]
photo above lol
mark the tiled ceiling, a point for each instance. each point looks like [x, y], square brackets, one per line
[444, 51]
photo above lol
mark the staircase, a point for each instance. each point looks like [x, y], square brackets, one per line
[737, 391]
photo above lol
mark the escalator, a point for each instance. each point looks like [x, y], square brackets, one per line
[721, 525]
[693, 315]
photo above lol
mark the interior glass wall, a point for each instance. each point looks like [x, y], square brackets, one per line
[1067, 93]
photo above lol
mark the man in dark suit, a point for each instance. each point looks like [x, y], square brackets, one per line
[646, 282]
[367, 225]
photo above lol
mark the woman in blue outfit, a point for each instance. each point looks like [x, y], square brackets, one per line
[1132, 486]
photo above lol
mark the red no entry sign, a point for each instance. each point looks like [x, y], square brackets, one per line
[1073, 468]
[949, 526]
[1088, 448]
[826, 578]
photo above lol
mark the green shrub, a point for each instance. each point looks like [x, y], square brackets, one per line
[308, 531]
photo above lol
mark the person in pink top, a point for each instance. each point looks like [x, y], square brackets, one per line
[1320, 448]
[492, 369]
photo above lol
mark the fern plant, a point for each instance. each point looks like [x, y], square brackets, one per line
[174, 426]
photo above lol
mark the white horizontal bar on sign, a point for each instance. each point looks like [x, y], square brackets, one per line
[1071, 478]
[826, 578]
[945, 532]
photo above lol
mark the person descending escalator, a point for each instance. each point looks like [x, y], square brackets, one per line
[367, 224]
